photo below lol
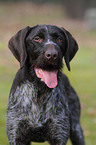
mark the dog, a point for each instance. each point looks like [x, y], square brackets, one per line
[42, 105]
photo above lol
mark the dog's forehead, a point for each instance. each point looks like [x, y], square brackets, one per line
[51, 28]
[47, 29]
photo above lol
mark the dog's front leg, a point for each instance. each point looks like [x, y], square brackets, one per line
[57, 132]
[18, 133]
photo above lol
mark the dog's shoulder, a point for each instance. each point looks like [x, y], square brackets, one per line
[70, 92]
[67, 85]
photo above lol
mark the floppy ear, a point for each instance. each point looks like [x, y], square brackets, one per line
[17, 45]
[71, 48]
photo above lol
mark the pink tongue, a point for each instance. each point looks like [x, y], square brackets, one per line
[49, 77]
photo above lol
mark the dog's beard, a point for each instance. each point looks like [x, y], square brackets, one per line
[47, 70]
[48, 77]
[48, 65]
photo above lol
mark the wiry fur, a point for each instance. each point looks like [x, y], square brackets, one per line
[36, 112]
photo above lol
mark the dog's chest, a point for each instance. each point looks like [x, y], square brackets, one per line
[22, 100]
[24, 103]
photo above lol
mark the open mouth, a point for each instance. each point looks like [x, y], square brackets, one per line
[48, 77]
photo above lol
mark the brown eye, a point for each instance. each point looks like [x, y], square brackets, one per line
[38, 39]
[59, 39]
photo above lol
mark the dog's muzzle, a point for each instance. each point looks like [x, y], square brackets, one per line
[51, 54]
[47, 76]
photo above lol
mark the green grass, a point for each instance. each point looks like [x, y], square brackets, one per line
[83, 68]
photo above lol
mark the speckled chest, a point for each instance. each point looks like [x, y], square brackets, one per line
[24, 107]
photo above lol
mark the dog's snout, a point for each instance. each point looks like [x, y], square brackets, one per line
[51, 54]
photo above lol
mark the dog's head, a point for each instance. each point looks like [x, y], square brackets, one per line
[43, 47]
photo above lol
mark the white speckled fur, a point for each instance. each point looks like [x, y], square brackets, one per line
[49, 41]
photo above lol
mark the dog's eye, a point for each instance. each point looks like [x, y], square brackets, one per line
[59, 39]
[38, 39]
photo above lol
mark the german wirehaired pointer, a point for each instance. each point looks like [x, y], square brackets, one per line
[42, 105]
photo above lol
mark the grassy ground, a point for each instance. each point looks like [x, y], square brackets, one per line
[83, 70]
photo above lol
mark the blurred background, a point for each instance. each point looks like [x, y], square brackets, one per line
[78, 17]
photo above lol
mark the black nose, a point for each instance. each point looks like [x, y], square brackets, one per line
[51, 54]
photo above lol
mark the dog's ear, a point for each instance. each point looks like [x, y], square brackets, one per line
[17, 45]
[71, 48]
